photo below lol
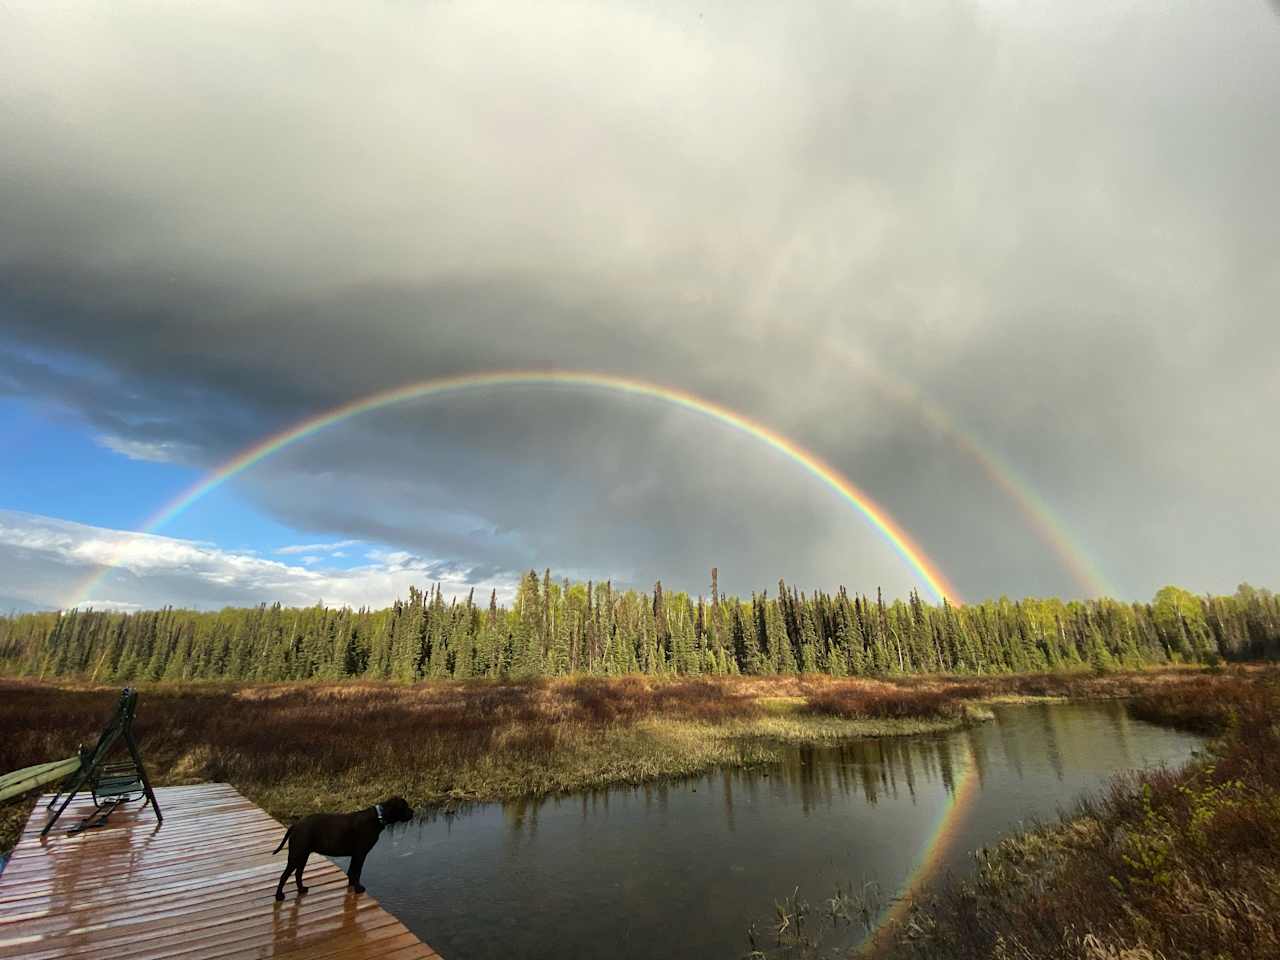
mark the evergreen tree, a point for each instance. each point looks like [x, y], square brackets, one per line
[555, 629]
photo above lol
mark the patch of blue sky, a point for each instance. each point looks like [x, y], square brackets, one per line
[56, 465]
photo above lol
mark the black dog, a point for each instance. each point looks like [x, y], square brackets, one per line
[339, 835]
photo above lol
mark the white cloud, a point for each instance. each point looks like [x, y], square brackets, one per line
[117, 606]
[51, 562]
[166, 452]
[333, 548]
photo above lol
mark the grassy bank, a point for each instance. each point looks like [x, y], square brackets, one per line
[296, 748]
[1164, 865]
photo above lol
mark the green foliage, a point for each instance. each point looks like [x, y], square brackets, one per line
[1206, 800]
[563, 628]
[1147, 849]
[1180, 618]
[1100, 658]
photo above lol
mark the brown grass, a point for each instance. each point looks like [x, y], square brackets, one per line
[1166, 864]
[946, 696]
[1191, 706]
[299, 747]
[847, 700]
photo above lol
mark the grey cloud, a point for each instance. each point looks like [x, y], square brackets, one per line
[1059, 223]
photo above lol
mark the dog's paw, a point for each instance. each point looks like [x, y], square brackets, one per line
[279, 895]
[302, 890]
[358, 887]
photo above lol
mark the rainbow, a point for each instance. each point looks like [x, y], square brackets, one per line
[1035, 511]
[940, 840]
[934, 580]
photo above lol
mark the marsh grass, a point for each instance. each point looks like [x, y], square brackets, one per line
[801, 931]
[946, 698]
[295, 748]
[1164, 864]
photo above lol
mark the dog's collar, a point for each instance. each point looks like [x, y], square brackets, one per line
[377, 808]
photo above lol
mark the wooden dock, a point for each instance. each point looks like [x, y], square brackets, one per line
[200, 885]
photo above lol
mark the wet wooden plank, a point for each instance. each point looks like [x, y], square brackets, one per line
[201, 884]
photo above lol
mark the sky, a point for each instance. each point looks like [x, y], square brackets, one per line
[1010, 270]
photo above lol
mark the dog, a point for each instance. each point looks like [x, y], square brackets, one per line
[339, 835]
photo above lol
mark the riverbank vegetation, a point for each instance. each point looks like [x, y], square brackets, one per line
[555, 629]
[300, 747]
[1167, 864]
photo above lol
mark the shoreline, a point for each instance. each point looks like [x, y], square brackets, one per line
[303, 747]
[1166, 862]
[683, 750]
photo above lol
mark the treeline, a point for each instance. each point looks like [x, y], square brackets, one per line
[560, 627]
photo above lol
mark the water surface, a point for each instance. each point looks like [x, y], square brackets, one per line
[681, 869]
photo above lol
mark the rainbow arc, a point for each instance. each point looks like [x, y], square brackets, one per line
[939, 842]
[931, 577]
[1036, 512]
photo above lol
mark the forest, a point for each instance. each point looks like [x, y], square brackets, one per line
[557, 627]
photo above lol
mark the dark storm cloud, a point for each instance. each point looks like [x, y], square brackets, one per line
[1060, 224]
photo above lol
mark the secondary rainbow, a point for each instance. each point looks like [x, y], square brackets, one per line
[933, 579]
[765, 300]
[1035, 511]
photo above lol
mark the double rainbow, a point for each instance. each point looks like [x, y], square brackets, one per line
[933, 579]
[1037, 513]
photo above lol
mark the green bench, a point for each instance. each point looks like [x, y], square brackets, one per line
[110, 783]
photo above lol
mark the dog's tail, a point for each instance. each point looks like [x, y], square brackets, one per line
[282, 842]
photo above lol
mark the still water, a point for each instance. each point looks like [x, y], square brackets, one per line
[681, 869]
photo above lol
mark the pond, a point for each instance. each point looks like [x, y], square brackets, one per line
[680, 869]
